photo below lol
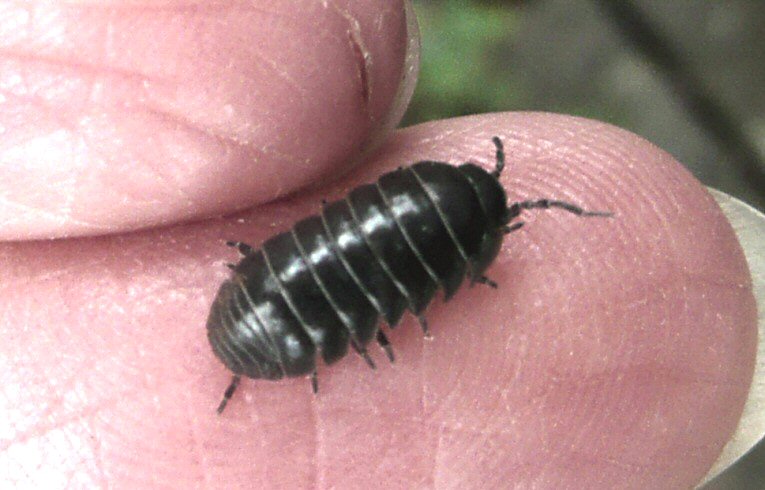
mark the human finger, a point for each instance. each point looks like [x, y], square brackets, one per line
[117, 115]
[615, 352]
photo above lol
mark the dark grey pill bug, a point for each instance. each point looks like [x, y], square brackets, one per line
[383, 249]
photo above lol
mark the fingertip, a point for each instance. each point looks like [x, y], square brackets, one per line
[642, 322]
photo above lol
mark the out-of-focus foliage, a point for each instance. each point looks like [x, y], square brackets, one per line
[571, 57]
[470, 64]
[464, 61]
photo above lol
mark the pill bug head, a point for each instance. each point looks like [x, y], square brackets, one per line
[493, 200]
[490, 194]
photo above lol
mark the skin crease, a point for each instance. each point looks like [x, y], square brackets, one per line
[616, 353]
[164, 104]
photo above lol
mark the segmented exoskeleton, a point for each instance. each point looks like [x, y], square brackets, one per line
[385, 248]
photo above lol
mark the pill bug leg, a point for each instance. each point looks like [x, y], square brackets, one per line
[229, 392]
[516, 208]
[424, 325]
[385, 344]
[512, 228]
[476, 279]
[243, 248]
[363, 353]
[485, 280]
[314, 383]
[500, 165]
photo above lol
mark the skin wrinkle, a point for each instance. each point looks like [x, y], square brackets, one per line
[130, 458]
[423, 391]
[587, 458]
[363, 62]
[168, 115]
[42, 429]
[172, 187]
[587, 378]
[48, 413]
[668, 373]
[651, 211]
[282, 74]
[563, 456]
[228, 140]
[203, 6]
[42, 105]
[571, 458]
[319, 459]
[87, 264]
[95, 82]
[61, 215]
[99, 462]
[64, 213]
[359, 52]
[590, 420]
[198, 446]
[568, 134]
[49, 214]
[436, 469]
[110, 51]
[135, 77]
[586, 180]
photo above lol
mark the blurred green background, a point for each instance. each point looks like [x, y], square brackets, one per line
[699, 93]
[688, 75]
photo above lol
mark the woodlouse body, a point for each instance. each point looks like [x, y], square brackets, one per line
[387, 247]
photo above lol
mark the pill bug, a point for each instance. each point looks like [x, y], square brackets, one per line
[383, 249]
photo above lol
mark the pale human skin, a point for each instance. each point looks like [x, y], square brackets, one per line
[616, 353]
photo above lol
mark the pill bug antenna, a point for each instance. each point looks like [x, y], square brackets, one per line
[500, 156]
[229, 393]
[515, 208]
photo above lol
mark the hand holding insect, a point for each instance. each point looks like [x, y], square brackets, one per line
[606, 340]
[586, 331]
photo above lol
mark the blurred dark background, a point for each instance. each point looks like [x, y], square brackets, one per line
[688, 75]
